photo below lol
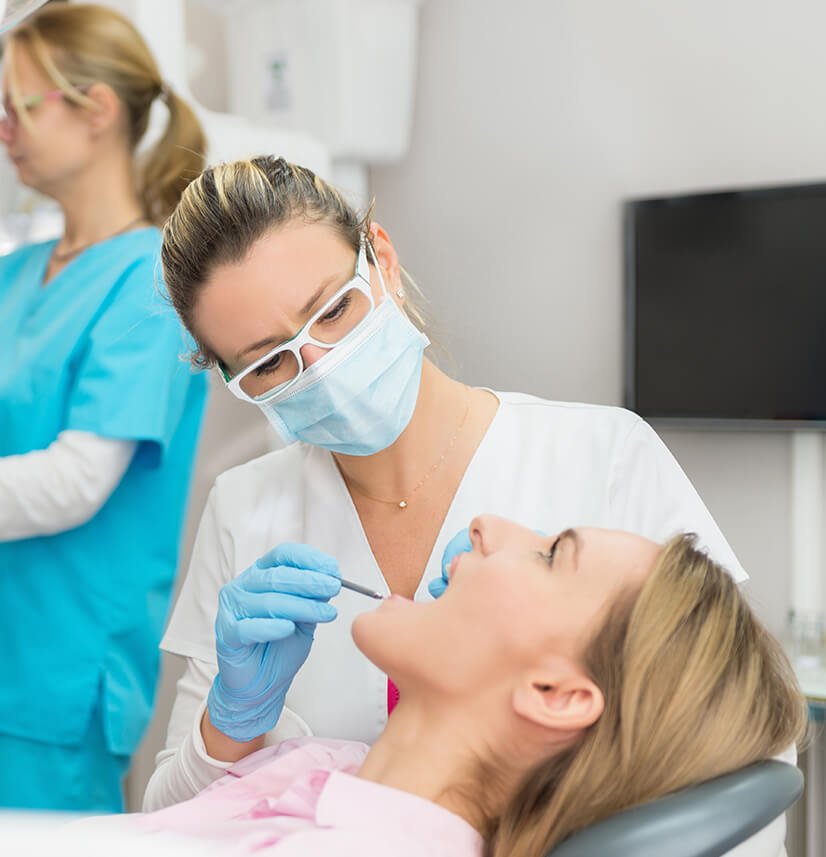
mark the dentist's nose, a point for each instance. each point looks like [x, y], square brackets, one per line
[310, 353]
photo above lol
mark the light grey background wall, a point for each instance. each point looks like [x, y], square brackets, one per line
[534, 120]
[207, 54]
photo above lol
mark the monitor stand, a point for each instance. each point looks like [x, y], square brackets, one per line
[806, 508]
[807, 602]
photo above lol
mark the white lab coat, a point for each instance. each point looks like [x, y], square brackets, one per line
[547, 465]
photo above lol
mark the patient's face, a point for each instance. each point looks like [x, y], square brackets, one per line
[517, 600]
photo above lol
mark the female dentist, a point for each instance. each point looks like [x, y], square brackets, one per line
[301, 306]
[98, 415]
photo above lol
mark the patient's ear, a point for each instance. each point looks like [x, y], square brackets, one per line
[560, 700]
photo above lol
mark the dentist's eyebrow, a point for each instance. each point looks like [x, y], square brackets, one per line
[305, 310]
[274, 341]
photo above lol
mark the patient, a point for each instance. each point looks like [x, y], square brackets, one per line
[557, 681]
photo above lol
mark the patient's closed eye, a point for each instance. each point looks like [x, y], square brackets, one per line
[549, 556]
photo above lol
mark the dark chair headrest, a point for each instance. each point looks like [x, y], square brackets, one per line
[704, 821]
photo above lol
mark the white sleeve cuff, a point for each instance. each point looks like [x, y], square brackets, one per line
[51, 490]
[289, 725]
[199, 747]
[191, 769]
[181, 772]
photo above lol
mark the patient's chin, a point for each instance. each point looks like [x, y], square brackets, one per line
[365, 634]
[375, 639]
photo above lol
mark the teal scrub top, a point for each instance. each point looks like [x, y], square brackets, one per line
[97, 349]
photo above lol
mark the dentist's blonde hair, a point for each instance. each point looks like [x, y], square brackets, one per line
[694, 687]
[77, 45]
[231, 206]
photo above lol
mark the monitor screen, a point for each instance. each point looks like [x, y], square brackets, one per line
[726, 307]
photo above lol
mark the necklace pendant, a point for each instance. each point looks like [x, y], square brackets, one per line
[402, 504]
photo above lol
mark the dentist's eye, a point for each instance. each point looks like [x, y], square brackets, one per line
[338, 310]
[271, 365]
[549, 556]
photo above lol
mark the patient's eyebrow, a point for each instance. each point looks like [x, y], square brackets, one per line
[572, 535]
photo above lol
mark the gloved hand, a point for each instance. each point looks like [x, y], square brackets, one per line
[264, 630]
[460, 543]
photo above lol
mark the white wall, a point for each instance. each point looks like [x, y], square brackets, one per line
[207, 55]
[534, 119]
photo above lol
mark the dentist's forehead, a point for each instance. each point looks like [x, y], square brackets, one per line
[264, 295]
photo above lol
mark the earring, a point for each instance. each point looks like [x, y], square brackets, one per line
[399, 293]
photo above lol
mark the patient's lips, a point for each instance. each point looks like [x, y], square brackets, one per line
[396, 597]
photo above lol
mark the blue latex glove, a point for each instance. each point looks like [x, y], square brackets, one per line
[264, 630]
[460, 543]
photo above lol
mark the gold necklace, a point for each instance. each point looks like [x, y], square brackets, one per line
[70, 254]
[405, 501]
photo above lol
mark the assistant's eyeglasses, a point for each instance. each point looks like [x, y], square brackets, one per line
[9, 113]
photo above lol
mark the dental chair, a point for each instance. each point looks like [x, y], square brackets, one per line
[708, 820]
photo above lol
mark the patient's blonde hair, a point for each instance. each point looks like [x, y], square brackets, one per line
[694, 687]
[76, 45]
[231, 206]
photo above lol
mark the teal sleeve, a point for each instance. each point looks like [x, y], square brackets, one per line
[132, 378]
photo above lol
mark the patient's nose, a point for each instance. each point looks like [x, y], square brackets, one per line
[490, 533]
[486, 533]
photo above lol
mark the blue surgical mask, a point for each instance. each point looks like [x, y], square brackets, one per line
[358, 398]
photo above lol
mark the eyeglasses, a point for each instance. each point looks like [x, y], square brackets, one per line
[8, 111]
[338, 320]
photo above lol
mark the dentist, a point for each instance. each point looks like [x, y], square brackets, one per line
[302, 307]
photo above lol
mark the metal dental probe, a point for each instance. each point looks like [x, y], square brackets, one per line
[363, 590]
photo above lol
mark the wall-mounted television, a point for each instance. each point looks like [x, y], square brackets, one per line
[726, 308]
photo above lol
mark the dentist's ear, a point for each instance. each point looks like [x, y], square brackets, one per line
[388, 260]
[560, 702]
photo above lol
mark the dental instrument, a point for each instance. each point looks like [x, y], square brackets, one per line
[363, 590]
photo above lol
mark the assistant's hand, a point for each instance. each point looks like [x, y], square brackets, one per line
[263, 632]
[460, 543]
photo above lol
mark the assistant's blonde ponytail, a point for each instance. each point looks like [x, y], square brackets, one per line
[176, 159]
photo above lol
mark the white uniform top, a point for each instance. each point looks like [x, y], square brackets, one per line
[546, 465]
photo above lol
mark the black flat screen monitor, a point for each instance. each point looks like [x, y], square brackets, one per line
[726, 308]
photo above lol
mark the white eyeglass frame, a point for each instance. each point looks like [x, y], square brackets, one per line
[360, 281]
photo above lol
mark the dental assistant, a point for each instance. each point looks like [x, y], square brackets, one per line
[301, 306]
[98, 415]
